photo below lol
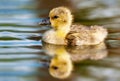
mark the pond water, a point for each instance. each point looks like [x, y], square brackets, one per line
[23, 57]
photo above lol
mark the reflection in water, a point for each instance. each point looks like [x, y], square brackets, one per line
[94, 52]
[61, 65]
[79, 53]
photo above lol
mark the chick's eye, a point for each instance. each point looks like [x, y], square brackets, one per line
[55, 17]
[55, 67]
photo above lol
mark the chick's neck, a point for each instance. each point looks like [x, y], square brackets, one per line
[63, 31]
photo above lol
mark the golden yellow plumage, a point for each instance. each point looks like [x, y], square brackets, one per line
[64, 33]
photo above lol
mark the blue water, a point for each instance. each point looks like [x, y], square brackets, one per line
[22, 57]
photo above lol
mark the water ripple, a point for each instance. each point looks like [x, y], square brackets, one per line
[20, 43]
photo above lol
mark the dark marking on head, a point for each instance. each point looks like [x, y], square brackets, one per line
[64, 21]
[55, 67]
[55, 17]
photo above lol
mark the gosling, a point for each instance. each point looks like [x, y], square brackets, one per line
[64, 33]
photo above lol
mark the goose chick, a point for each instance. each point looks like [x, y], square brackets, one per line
[64, 33]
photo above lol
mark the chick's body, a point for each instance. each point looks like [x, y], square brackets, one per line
[83, 35]
[64, 33]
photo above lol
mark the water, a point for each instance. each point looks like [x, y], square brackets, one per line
[23, 57]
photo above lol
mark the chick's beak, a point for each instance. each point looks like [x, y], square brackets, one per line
[45, 21]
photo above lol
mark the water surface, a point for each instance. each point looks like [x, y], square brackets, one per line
[22, 57]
